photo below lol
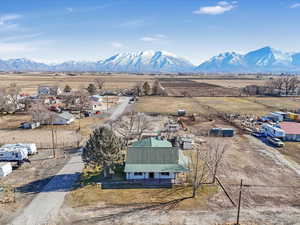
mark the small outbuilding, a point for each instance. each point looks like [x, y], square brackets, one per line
[5, 168]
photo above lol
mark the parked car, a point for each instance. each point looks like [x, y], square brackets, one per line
[258, 134]
[276, 142]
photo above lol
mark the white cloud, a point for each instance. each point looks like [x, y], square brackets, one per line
[6, 21]
[117, 44]
[296, 5]
[152, 38]
[220, 8]
[8, 17]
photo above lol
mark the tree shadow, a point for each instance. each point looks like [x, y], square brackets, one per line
[57, 183]
[164, 206]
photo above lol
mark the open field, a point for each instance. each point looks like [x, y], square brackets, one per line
[232, 83]
[29, 83]
[243, 105]
[187, 87]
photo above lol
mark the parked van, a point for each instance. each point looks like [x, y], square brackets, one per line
[272, 131]
[17, 154]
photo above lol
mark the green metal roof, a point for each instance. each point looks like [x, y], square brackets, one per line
[148, 159]
[152, 142]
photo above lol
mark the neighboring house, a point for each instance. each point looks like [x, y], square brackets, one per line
[95, 106]
[63, 118]
[155, 160]
[96, 98]
[49, 90]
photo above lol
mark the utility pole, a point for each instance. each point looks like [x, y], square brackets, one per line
[52, 132]
[106, 103]
[239, 205]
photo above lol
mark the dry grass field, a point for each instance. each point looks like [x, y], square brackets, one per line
[242, 105]
[232, 83]
[167, 105]
[29, 82]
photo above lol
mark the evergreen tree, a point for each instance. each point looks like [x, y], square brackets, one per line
[67, 88]
[92, 89]
[103, 149]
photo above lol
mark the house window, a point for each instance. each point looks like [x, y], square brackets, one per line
[138, 174]
[165, 174]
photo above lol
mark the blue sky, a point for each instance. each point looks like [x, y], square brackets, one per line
[60, 30]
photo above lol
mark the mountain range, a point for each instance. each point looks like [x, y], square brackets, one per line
[265, 59]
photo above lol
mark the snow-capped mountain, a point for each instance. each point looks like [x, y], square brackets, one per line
[147, 61]
[136, 62]
[226, 62]
[22, 65]
[265, 59]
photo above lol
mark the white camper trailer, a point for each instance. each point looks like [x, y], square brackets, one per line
[17, 154]
[5, 169]
[31, 147]
[272, 131]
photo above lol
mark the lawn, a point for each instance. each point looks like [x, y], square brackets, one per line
[91, 194]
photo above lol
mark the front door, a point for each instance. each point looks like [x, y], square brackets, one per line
[151, 175]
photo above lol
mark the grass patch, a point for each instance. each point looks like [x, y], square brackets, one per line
[91, 194]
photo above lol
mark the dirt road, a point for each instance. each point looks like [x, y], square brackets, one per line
[45, 206]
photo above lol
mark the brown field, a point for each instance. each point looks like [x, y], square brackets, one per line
[233, 83]
[184, 87]
[29, 83]
[242, 105]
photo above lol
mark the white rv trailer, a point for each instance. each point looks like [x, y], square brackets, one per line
[31, 147]
[5, 169]
[272, 131]
[13, 154]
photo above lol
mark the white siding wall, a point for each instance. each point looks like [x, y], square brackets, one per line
[130, 176]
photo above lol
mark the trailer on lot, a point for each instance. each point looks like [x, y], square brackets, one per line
[31, 147]
[272, 131]
[30, 125]
[13, 155]
[5, 169]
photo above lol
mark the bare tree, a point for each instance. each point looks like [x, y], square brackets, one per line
[100, 83]
[132, 125]
[216, 150]
[205, 163]
[10, 98]
[138, 88]
[146, 88]
[40, 112]
[285, 84]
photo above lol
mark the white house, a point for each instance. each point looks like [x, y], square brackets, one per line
[150, 160]
[49, 90]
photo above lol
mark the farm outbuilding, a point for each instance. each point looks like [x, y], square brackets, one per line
[5, 169]
[292, 131]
